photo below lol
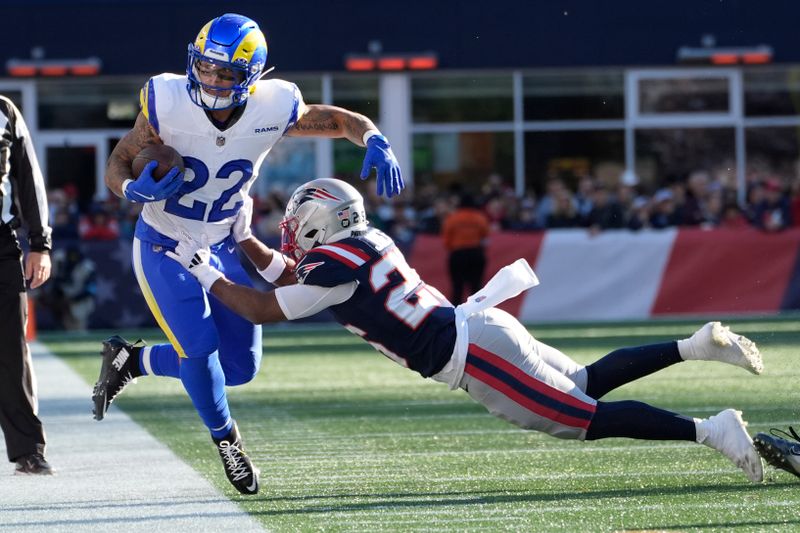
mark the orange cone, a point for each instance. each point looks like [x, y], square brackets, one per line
[30, 327]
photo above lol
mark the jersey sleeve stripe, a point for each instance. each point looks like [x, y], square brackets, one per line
[147, 101]
[295, 106]
[350, 249]
[343, 256]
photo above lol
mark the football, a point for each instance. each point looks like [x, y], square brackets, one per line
[166, 156]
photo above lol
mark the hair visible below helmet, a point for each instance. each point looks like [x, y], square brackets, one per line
[230, 41]
[321, 211]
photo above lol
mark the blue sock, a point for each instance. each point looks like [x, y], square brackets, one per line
[628, 364]
[204, 380]
[163, 361]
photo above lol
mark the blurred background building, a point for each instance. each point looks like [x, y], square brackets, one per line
[573, 113]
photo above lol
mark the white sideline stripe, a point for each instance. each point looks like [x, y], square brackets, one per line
[111, 475]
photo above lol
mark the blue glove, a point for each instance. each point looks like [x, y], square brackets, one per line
[379, 155]
[146, 189]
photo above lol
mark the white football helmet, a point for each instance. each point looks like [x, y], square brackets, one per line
[321, 211]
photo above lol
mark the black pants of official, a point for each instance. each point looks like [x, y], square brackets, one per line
[466, 270]
[21, 427]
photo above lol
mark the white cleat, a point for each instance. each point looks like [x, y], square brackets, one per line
[715, 342]
[727, 434]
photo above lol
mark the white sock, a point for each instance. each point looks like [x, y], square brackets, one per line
[701, 430]
[686, 349]
[145, 355]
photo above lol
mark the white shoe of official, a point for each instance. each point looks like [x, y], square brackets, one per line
[715, 342]
[726, 433]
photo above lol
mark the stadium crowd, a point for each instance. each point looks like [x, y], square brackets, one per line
[704, 199]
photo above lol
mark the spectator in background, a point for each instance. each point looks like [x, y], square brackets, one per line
[665, 212]
[401, 227]
[563, 213]
[773, 213]
[269, 216]
[554, 188]
[606, 213]
[497, 209]
[584, 196]
[431, 219]
[98, 225]
[64, 228]
[732, 217]
[639, 215]
[695, 207]
[72, 290]
[526, 217]
[464, 232]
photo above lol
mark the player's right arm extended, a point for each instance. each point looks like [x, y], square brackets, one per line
[284, 303]
[118, 168]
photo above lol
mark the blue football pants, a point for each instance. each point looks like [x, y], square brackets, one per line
[210, 346]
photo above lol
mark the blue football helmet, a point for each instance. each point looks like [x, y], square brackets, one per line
[231, 42]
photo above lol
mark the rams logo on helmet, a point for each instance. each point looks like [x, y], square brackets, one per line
[232, 43]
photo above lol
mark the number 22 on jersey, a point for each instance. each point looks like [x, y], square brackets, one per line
[410, 301]
[198, 210]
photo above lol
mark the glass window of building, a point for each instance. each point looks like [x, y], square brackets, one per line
[310, 87]
[570, 155]
[466, 159]
[574, 95]
[347, 160]
[772, 91]
[291, 162]
[683, 95]
[772, 152]
[358, 94]
[16, 98]
[88, 104]
[473, 98]
[665, 156]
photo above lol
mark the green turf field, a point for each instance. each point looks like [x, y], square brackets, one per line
[348, 440]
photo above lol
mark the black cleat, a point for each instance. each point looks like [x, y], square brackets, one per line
[33, 464]
[120, 366]
[778, 451]
[238, 467]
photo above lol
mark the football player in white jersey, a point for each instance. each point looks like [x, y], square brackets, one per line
[360, 275]
[223, 119]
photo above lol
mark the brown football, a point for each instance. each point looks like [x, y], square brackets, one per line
[166, 156]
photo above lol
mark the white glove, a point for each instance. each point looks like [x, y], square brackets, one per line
[195, 257]
[244, 219]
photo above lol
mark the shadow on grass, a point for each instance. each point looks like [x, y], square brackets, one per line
[410, 500]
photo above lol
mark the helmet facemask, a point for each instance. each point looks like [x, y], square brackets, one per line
[319, 212]
[211, 97]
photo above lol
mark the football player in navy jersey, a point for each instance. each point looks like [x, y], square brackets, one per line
[361, 276]
[224, 120]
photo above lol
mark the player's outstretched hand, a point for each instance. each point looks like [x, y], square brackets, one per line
[379, 155]
[195, 256]
[244, 220]
[146, 188]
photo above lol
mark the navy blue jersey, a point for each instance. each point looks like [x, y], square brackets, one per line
[392, 308]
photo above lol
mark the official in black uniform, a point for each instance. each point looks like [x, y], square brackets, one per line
[23, 200]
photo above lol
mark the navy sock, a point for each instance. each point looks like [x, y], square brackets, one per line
[628, 364]
[204, 380]
[637, 420]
